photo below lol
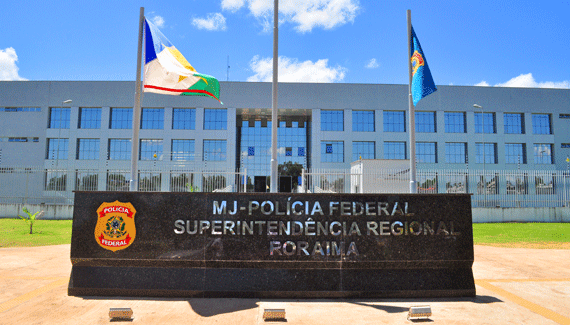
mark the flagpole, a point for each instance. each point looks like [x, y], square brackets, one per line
[274, 118]
[137, 110]
[411, 110]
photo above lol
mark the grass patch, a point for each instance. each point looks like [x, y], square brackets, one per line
[16, 233]
[527, 235]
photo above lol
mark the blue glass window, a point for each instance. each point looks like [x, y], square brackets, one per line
[426, 152]
[251, 151]
[215, 119]
[486, 153]
[301, 152]
[121, 118]
[543, 153]
[514, 123]
[89, 118]
[119, 149]
[87, 149]
[214, 150]
[59, 118]
[332, 151]
[332, 120]
[363, 150]
[541, 124]
[152, 118]
[150, 149]
[182, 149]
[454, 122]
[394, 150]
[394, 121]
[183, 119]
[515, 153]
[57, 148]
[363, 121]
[456, 152]
[288, 151]
[425, 122]
[485, 123]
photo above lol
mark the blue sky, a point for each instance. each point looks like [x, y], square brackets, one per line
[488, 43]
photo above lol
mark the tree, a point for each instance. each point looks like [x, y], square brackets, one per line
[31, 217]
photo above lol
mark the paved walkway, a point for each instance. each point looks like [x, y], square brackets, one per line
[514, 286]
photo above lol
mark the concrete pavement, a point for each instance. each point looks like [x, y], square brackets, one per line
[514, 286]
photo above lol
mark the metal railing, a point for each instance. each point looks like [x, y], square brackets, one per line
[496, 188]
[491, 188]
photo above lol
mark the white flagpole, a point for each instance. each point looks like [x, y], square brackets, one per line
[411, 110]
[274, 121]
[137, 110]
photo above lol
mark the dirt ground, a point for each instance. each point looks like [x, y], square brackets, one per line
[514, 286]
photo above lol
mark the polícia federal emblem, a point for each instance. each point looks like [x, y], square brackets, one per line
[115, 229]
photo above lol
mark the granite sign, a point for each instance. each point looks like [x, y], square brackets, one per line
[272, 245]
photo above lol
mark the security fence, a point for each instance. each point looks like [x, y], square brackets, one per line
[491, 188]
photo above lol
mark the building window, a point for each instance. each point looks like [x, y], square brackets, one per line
[486, 153]
[363, 150]
[394, 150]
[456, 152]
[456, 183]
[57, 149]
[59, 118]
[119, 149]
[289, 151]
[215, 150]
[544, 184]
[18, 139]
[425, 122]
[541, 124]
[118, 181]
[485, 123]
[488, 184]
[363, 121]
[150, 149]
[517, 184]
[152, 118]
[56, 180]
[86, 180]
[543, 154]
[87, 149]
[332, 151]
[454, 122]
[121, 118]
[20, 109]
[515, 153]
[183, 119]
[394, 121]
[89, 118]
[182, 149]
[215, 119]
[150, 182]
[514, 123]
[332, 120]
[426, 152]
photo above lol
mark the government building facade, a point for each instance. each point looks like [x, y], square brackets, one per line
[78, 135]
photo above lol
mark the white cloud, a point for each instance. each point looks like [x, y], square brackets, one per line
[291, 70]
[528, 81]
[8, 67]
[158, 21]
[232, 5]
[306, 14]
[483, 84]
[214, 21]
[372, 64]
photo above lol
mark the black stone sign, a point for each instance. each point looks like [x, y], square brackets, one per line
[271, 245]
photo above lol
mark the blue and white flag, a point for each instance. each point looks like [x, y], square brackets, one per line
[422, 81]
